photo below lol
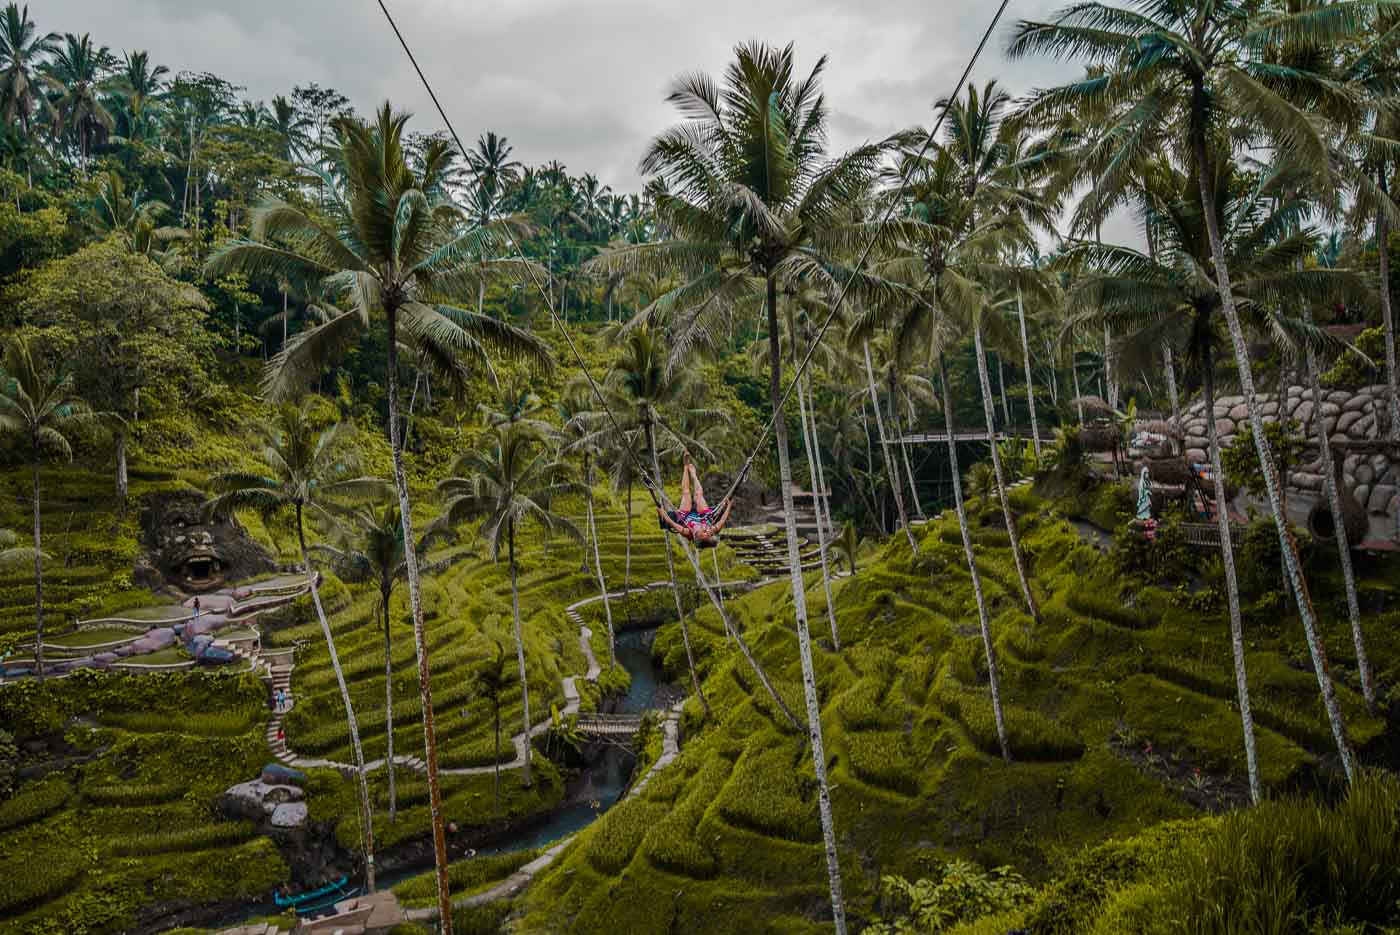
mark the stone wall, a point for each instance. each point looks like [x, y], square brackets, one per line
[1348, 415]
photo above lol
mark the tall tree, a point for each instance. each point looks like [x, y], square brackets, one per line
[22, 51]
[79, 74]
[1197, 69]
[306, 466]
[490, 683]
[755, 208]
[37, 404]
[395, 249]
[513, 482]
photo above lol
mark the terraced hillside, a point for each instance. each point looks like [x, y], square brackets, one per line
[1120, 711]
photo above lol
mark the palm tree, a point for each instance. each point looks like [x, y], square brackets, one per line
[755, 208]
[37, 404]
[22, 52]
[370, 544]
[490, 683]
[291, 129]
[397, 249]
[139, 84]
[77, 76]
[513, 482]
[847, 546]
[1194, 68]
[306, 465]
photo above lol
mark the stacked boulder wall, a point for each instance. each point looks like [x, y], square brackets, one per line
[1348, 416]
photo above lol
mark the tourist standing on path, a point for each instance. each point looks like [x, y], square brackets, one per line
[196, 608]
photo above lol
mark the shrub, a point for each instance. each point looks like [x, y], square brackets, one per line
[466, 876]
[1266, 869]
[961, 892]
[1099, 606]
[34, 802]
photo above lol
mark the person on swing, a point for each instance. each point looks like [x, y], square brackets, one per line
[694, 519]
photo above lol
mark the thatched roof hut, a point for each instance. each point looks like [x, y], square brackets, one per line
[1095, 407]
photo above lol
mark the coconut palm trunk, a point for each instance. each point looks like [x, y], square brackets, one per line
[671, 572]
[799, 604]
[825, 500]
[627, 560]
[38, 559]
[598, 563]
[1169, 367]
[366, 812]
[885, 454]
[519, 644]
[984, 621]
[1030, 385]
[897, 425]
[812, 456]
[1287, 546]
[1232, 586]
[1001, 386]
[389, 714]
[1074, 373]
[1334, 503]
[123, 479]
[420, 646]
[1010, 518]
[1392, 375]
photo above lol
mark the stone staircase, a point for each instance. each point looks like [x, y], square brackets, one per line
[764, 549]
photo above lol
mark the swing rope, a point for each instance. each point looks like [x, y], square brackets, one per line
[659, 495]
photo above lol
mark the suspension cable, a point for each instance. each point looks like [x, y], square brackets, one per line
[659, 495]
[865, 253]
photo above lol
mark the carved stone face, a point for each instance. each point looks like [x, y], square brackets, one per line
[196, 554]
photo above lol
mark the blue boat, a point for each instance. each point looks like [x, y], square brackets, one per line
[317, 900]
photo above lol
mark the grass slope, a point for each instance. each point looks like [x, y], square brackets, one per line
[1113, 704]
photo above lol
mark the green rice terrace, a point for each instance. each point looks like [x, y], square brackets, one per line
[671, 492]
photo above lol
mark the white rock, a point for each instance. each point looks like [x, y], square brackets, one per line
[1380, 498]
[1196, 455]
[1331, 409]
[1347, 420]
[1304, 412]
[1339, 397]
[1356, 403]
[289, 815]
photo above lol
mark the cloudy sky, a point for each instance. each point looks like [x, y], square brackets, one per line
[582, 81]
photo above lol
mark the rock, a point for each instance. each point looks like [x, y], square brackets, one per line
[1329, 424]
[1378, 390]
[1347, 420]
[1229, 402]
[1330, 409]
[1362, 493]
[1393, 506]
[1379, 463]
[1224, 427]
[257, 799]
[1338, 397]
[1196, 455]
[1194, 442]
[1308, 481]
[1361, 429]
[1304, 412]
[1364, 474]
[1269, 409]
[289, 815]
[1356, 403]
[1239, 412]
[1380, 498]
[1196, 428]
